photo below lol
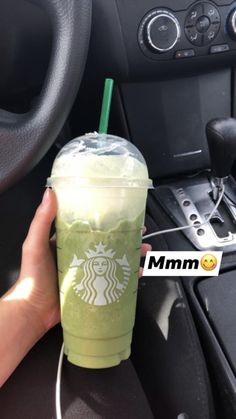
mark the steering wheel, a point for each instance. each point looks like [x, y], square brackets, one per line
[25, 138]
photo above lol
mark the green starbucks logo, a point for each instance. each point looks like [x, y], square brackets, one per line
[100, 285]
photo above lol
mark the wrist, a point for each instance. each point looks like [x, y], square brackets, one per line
[20, 327]
[21, 295]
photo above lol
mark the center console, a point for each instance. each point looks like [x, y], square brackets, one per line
[174, 66]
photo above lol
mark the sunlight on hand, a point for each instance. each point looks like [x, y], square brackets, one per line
[21, 291]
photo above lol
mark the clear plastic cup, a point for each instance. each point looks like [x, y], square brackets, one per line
[101, 184]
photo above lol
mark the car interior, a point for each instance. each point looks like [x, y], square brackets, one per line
[173, 66]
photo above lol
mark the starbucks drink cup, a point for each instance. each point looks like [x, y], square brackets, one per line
[101, 184]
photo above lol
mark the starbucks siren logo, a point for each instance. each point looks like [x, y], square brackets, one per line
[100, 285]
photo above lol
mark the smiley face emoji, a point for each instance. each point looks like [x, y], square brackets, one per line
[208, 262]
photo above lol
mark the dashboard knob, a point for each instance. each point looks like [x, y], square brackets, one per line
[161, 31]
[231, 24]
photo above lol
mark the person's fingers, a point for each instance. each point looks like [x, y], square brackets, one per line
[144, 229]
[53, 238]
[39, 230]
[52, 244]
[145, 248]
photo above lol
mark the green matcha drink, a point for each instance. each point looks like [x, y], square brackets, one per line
[101, 189]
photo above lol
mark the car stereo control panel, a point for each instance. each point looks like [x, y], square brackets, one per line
[153, 39]
[203, 28]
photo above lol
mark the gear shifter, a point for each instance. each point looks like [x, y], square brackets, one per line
[189, 200]
[221, 136]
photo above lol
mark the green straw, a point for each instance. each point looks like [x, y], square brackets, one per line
[106, 106]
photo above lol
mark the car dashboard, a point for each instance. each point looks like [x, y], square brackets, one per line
[173, 64]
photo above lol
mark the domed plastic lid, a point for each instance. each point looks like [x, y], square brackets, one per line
[100, 160]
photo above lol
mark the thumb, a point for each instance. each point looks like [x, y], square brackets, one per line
[40, 227]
